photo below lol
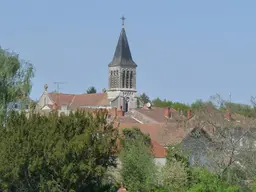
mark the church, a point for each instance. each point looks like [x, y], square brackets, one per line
[121, 93]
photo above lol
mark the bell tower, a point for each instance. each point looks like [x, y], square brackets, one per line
[122, 74]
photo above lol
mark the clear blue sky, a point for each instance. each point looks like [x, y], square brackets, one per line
[185, 50]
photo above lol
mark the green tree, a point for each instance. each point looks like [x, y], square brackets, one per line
[175, 105]
[52, 153]
[203, 180]
[144, 98]
[91, 90]
[175, 176]
[15, 78]
[135, 133]
[138, 167]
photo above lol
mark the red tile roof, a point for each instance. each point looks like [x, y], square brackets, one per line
[158, 150]
[157, 113]
[80, 100]
[61, 98]
[164, 134]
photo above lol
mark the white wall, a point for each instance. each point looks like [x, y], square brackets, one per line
[160, 161]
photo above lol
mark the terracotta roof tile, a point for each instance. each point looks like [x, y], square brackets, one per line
[158, 150]
[60, 98]
[97, 99]
[80, 100]
[164, 134]
[157, 113]
[127, 119]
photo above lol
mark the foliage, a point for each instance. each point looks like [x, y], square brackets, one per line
[203, 180]
[253, 187]
[138, 167]
[135, 133]
[144, 98]
[175, 176]
[15, 78]
[104, 90]
[175, 153]
[242, 109]
[175, 105]
[91, 90]
[51, 153]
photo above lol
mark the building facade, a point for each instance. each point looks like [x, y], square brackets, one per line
[122, 75]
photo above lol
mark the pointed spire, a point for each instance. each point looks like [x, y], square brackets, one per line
[122, 54]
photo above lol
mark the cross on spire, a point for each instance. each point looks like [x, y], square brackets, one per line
[123, 18]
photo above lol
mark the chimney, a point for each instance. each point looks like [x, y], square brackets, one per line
[168, 113]
[120, 112]
[189, 114]
[54, 106]
[115, 111]
[228, 115]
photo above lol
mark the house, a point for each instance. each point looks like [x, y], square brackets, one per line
[121, 91]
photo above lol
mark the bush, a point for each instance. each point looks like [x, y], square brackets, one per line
[67, 153]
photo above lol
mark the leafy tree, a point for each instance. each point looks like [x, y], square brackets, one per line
[15, 78]
[176, 105]
[104, 90]
[91, 90]
[197, 104]
[52, 153]
[175, 176]
[138, 167]
[203, 180]
[135, 133]
[144, 98]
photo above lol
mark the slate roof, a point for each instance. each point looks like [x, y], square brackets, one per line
[122, 56]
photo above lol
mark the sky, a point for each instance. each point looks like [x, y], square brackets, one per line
[185, 50]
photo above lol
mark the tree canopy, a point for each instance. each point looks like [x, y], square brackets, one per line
[176, 105]
[15, 78]
[138, 168]
[91, 89]
[144, 98]
[51, 153]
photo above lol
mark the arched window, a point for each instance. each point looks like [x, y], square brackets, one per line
[45, 101]
[127, 79]
[117, 79]
[123, 79]
[131, 76]
[111, 79]
[114, 80]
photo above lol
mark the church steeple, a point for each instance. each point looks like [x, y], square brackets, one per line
[122, 56]
[122, 75]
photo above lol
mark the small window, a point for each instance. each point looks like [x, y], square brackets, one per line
[16, 106]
